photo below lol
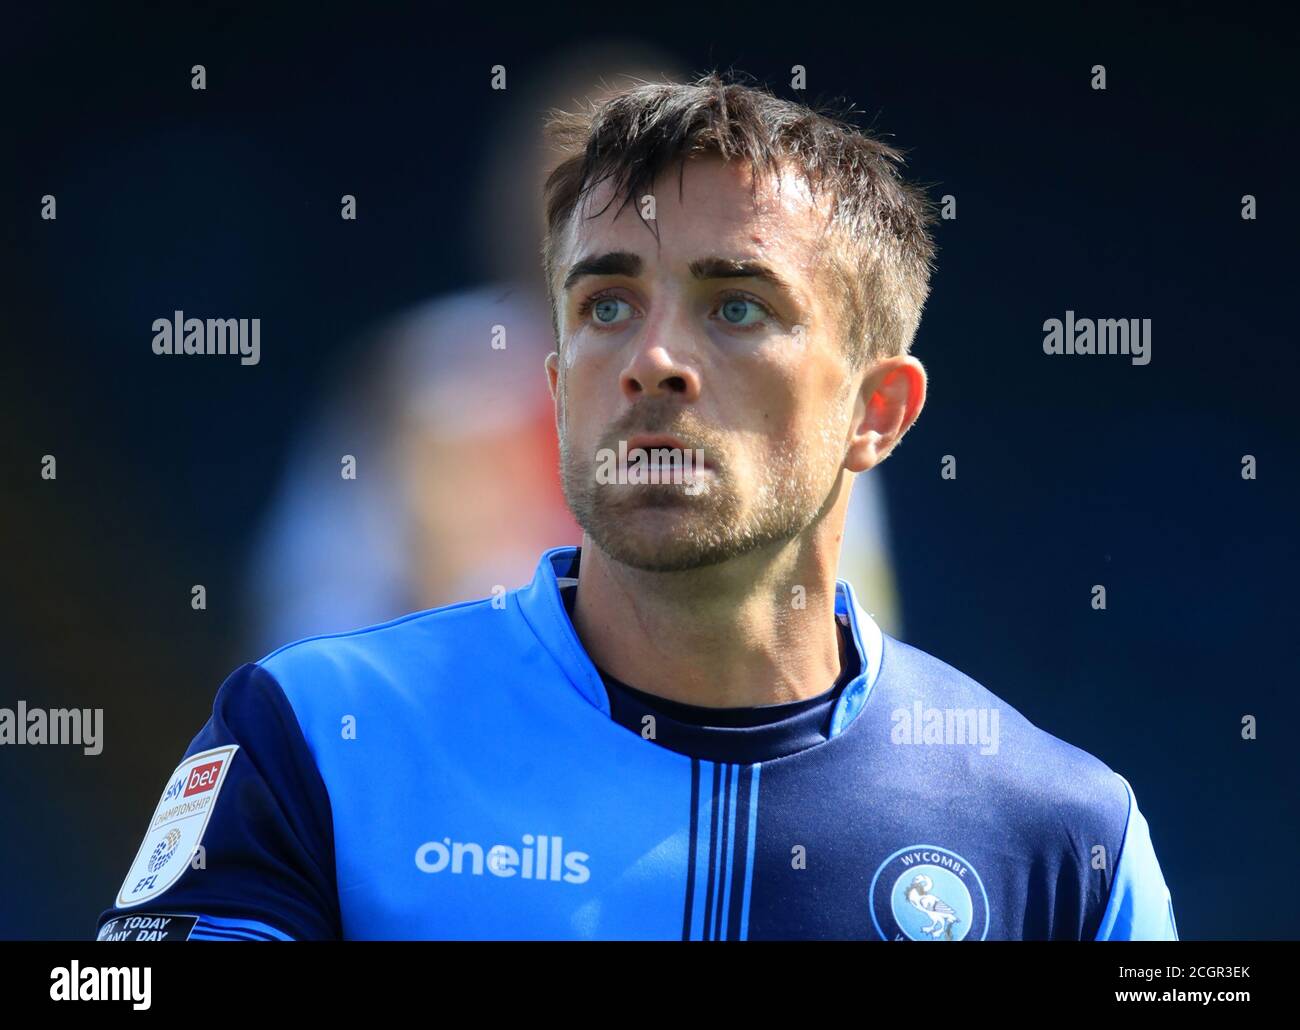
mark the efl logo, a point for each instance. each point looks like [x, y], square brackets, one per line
[202, 777]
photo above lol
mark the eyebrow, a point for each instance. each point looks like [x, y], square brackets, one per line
[622, 262]
[730, 268]
[614, 262]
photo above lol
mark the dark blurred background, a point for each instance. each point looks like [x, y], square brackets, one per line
[1072, 471]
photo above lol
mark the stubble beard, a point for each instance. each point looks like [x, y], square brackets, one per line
[662, 528]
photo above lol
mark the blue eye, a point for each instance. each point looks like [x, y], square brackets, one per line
[606, 309]
[733, 311]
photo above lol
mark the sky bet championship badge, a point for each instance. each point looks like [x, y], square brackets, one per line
[928, 893]
[177, 825]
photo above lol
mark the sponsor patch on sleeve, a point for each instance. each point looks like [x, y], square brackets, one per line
[177, 826]
[148, 926]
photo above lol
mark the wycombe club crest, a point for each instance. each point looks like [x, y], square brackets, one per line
[928, 893]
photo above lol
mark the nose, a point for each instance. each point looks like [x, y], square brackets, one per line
[655, 369]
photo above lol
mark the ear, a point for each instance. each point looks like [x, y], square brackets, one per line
[553, 372]
[553, 381]
[890, 400]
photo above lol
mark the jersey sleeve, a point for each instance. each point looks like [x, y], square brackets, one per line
[241, 845]
[1140, 906]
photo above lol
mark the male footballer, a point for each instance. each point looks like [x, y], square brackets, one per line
[686, 728]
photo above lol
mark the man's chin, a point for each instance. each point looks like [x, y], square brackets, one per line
[648, 556]
[656, 538]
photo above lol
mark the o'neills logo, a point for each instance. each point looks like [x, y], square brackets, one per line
[540, 858]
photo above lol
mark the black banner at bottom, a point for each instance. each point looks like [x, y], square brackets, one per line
[338, 980]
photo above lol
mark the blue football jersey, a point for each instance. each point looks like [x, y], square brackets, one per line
[456, 773]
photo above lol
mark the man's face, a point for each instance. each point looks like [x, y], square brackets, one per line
[660, 339]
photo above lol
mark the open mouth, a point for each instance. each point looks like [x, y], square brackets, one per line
[678, 455]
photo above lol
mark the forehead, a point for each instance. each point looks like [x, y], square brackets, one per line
[715, 213]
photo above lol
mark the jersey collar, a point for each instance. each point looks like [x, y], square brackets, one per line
[543, 608]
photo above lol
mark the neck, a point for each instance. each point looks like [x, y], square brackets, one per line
[737, 634]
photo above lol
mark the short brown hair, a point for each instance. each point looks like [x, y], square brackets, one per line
[882, 252]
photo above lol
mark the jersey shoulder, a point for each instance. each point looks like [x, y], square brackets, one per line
[423, 651]
[1036, 773]
[240, 845]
